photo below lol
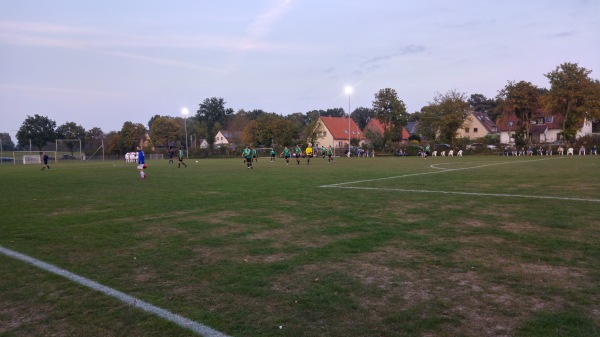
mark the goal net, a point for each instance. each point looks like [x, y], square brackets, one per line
[32, 159]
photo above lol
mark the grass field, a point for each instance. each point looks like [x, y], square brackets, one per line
[471, 246]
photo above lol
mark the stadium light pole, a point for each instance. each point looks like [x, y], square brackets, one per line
[185, 113]
[348, 90]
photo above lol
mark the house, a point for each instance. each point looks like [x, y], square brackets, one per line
[477, 125]
[544, 128]
[412, 127]
[203, 143]
[376, 126]
[334, 132]
[227, 138]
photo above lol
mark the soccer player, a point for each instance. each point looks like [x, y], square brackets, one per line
[254, 157]
[248, 155]
[181, 158]
[171, 154]
[45, 160]
[323, 151]
[141, 161]
[298, 153]
[273, 155]
[309, 153]
[330, 154]
[286, 153]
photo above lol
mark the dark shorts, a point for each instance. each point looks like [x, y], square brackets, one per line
[249, 160]
[180, 159]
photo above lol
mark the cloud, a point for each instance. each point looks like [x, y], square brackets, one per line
[374, 62]
[62, 91]
[563, 34]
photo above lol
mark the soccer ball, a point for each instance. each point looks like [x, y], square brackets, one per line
[196, 161]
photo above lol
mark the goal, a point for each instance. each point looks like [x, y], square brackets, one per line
[263, 152]
[31, 157]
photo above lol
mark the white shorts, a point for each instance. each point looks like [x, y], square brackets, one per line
[140, 166]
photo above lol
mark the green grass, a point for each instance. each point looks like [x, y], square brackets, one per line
[246, 251]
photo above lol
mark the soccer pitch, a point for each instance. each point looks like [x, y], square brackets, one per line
[462, 246]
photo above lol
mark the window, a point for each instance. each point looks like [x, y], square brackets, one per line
[466, 130]
[549, 119]
[475, 130]
[596, 127]
[510, 123]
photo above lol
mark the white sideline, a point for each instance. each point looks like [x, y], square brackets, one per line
[183, 322]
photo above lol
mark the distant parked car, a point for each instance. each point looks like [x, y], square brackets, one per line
[6, 159]
[442, 147]
[475, 146]
[66, 156]
[492, 147]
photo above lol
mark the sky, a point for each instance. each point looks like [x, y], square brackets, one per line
[103, 63]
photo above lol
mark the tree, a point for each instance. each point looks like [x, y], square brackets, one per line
[165, 131]
[6, 142]
[39, 130]
[335, 112]
[445, 115]
[362, 116]
[522, 100]
[70, 130]
[272, 128]
[213, 114]
[487, 106]
[427, 122]
[131, 136]
[266, 128]
[94, 137]
[112, 143]
[391, 112]
[573, 95]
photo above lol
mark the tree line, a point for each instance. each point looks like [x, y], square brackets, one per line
[572, 94]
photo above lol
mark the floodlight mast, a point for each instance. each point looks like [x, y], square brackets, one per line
[348, 90]
[185, 113]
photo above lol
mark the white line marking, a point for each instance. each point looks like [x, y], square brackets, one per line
[433, 172]
[470, 193]
[183, 322]
[442, 170]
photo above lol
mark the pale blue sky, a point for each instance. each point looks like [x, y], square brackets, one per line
[101, 63]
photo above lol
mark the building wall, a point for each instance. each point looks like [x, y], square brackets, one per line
[471, 124]
[220, 140]
[326, 139]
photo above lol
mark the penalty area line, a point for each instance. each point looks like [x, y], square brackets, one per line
[546, 197]
[441, 170]
[183, 322]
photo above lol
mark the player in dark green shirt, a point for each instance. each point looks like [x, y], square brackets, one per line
[286, 154]
[247, 153]
[298, 154]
